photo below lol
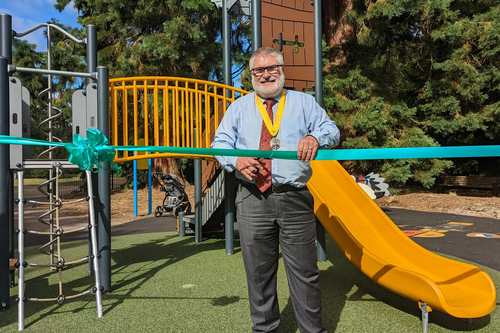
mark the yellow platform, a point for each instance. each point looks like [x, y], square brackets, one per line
[376, 246]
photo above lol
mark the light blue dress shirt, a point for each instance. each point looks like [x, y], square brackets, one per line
[241, 126]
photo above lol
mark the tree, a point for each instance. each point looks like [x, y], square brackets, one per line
[416, 74]
[180, 38]
[153, 37]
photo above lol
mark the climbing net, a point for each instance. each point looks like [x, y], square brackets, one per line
[56, 232]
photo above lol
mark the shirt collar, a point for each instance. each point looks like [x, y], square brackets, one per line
[276, 98]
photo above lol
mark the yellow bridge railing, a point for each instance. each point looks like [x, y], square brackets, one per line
[166, 111]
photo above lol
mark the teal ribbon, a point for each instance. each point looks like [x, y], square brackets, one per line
[89, 151]
[334, 154]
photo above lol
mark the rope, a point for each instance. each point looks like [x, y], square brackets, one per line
[57, 299]
[65, 263]
[60, 202]
[51, 233]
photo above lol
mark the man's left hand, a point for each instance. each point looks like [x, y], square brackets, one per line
[308, 148]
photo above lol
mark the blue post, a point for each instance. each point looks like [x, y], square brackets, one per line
[150, 185]
[135, 187]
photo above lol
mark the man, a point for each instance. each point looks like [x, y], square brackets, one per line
[274, 207]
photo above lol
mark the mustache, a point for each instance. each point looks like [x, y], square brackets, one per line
[269, 79]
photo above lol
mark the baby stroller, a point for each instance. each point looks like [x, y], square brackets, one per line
[176, 200]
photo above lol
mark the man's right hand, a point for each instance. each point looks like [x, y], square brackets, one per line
[248, 166]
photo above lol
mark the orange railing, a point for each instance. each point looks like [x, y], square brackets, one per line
[166, 111]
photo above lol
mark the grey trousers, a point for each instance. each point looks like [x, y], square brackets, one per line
[266, 222]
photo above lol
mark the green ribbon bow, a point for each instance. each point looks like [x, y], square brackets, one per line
[84, 152]
[89, 151]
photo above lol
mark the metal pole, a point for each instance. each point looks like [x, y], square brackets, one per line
[256, 25]
[425, 317]
[318, 92]
[50, 184]
[20, 248]
[49, 72]
[228, 183]
[92, 68]
[91, 51]
[104, 208]
[198, 233]
[318, 54]
[182, 225]
[229, 208]
[6, 37]
[4, 182]
[226, 46]
[94, 257]
[7, 191]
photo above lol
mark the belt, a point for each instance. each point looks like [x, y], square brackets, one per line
[281, 188]
[276, 188]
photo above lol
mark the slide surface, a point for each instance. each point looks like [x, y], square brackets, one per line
[376, 246]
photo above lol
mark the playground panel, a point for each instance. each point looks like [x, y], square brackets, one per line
[289, 27]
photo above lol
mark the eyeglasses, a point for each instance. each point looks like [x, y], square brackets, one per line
[259, 71]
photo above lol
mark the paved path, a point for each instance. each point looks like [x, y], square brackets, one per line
[476, 239]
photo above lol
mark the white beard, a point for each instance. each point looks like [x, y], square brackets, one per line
[269, 92]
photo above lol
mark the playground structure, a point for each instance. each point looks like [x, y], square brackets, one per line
[15, 120]
[185, 113]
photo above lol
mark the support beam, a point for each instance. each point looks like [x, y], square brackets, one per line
[4, 185]
[318, 92]
[425, 317]
[198, 211]
[92, 68]
[256, 25]
[228, 179]
[104, 196]
[6, 37]
[6, 177]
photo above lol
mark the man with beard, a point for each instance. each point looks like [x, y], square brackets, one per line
[273, 205]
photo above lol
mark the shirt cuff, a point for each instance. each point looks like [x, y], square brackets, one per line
[317, 136]
[228, 162]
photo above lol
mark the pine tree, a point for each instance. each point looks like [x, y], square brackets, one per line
[155, 38]
[417, 74]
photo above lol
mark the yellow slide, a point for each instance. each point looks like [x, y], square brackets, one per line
[376, 246]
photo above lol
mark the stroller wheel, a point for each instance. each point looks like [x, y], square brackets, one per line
[158, 212]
